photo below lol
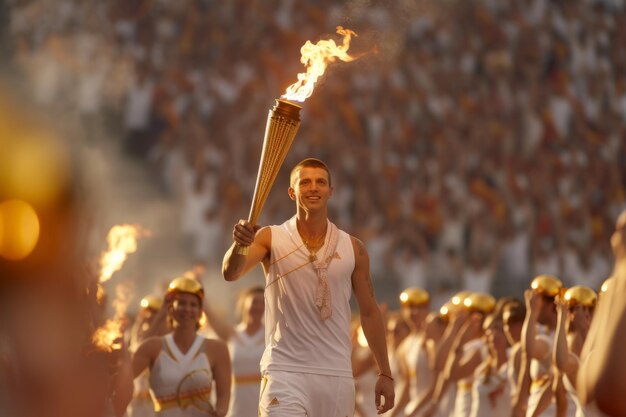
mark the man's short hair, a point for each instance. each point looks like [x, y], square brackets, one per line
[308, 163]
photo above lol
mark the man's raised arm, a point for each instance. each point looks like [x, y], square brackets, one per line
[258, 241]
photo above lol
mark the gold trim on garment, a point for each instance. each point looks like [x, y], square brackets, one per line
[201, 349]
[181, 400]
[247, 379]
[279, 277]
[538, 384]
[168, 350]
[464, 386]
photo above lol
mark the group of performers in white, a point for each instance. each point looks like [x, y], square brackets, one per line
[475, 357]
[299, 351]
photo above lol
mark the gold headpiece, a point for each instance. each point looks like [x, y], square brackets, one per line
[448, 308]
[480, 302]
[547, 284]
[151, 302]
[186, 284]
[608, 283]
[414, 296]
[459, 298]
[580, 295]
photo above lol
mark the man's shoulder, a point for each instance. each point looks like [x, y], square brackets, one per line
[357, 244]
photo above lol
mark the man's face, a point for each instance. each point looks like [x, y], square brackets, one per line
[311, 188]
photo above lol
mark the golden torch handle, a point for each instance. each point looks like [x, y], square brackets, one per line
[282, 125]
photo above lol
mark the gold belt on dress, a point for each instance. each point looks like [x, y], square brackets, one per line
[182, 401]
[143, 395]
[538, 384]
[464, 386]
[247, 379]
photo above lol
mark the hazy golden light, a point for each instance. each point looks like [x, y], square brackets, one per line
[33, 168]
[19, 229]
[204, 320]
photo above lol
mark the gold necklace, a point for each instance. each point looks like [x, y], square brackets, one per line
[313, 245]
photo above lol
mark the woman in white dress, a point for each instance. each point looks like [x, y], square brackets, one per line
[246, 343]
[468, 351]
[415, 303]
[491, 388]
[427, 371]
[574, 311]
[185, 366]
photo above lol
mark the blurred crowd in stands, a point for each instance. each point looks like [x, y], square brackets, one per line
[474, 144]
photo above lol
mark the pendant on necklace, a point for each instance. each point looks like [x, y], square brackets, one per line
[312, 257]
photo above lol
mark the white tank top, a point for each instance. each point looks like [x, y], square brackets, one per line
[180, 380]
[296, 339]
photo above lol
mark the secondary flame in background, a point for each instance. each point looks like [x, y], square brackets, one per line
[109, 336]
[106, 338]
[316, 58]
[361, 339]
[122, 241]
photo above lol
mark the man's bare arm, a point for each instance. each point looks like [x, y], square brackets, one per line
[258, 242]
[372, 323]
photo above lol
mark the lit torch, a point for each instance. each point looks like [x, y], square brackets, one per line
[107, 337]
[122, 240]
[283, 120]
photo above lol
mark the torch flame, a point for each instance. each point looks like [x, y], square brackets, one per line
[108, 337]
[316, 58]
[122, 241]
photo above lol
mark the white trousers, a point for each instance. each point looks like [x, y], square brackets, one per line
[291, 394]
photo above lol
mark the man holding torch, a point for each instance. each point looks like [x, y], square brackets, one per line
[311, 268]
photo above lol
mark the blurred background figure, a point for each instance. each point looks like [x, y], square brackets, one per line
[246, 344]
[491, 389]
[411, 355]
[468, 350]
[574, 313]
[535, 392]
[601, 372]
[513, 315]
[150, 321]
